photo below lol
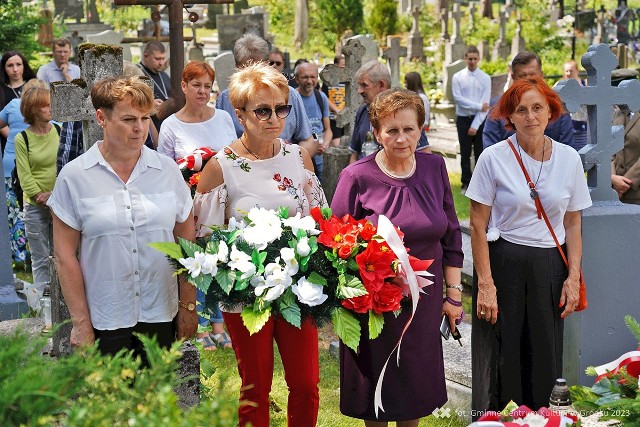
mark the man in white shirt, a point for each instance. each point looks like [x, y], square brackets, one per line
[60, 69]
[471, 89]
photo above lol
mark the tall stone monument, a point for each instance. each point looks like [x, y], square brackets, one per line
[501, 47]
[610, 232]
[455, 48]
[415, 46]
[517, 43]
[392, 53]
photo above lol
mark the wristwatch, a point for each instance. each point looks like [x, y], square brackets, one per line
[458, 287]
[187, 306]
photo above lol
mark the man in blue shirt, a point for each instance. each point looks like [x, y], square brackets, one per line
[60, 69]
[524, 65]
[316, 105]
[250, 49]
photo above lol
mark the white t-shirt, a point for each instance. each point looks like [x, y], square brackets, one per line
[498, 181]
[427, 108]
[178, 139]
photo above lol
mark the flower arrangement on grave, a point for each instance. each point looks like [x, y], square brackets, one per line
[192, 165]
[515, 416]
[329, 268]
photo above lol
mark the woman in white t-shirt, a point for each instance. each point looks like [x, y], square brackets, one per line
[523, 289]
[198, 125]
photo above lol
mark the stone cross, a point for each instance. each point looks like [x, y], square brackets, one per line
[517, 43]
[71, 101]
[371, 49]
[415, 47]
[472, 14]
[444, 24]
[456, 14]
[601, 29]
[501, 48]
[599, 96]
[176, 43]
[392, 53]
[333, 75]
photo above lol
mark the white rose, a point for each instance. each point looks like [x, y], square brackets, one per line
[309, 293]
[303, 247]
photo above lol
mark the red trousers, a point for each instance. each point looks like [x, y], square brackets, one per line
[254, 353]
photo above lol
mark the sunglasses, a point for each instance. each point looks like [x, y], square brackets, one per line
[277, 63]
[263, 114]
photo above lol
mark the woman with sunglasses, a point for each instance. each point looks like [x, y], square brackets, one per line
[261, 170]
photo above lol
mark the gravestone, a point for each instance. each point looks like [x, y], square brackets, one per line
[113, 38]
[232, 27]
[455, 48]
[71, 101]
[337, 158]
[61, 344]
[69, 9]
[518, 43]
[472, 14]
[498, 81]
[260, 10]
[483, 50]
[501, 47]
[445, 110]
[601, 28]
[224, 66]
[371, 49]
[444, 24]
[553, 11]
[392, 53]
[610, 232]
[415, 46]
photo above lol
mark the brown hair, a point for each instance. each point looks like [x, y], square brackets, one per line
[245, 82]
[511, 98]
[393, 100]
[107, 92]
[35, 95]
[61, 42]
[195, 69]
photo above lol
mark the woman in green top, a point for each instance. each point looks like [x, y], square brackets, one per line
[36, 164]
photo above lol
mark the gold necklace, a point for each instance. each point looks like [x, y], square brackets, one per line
[386, 171]
[273, 150]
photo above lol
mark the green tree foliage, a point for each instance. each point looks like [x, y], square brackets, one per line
[123, 18]
[383, 19]
[338, 16]
[18, 28]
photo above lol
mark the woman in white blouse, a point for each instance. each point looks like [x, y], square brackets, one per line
[259, 169]
[108, 205]
[523, 289]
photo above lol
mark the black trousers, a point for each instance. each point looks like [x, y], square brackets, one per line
[520, 357]
[110, 342]
[467, 144]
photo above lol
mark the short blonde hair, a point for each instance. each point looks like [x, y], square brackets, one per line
[35, 95]
[393, 100]
[107, 92]
[245, 82]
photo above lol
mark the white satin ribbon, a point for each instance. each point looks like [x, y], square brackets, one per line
[387, 231]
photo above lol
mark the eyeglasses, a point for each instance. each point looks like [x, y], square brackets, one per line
[277, 63]
[535, 110]
[264, 113]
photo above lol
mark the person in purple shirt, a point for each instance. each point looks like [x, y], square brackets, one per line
[412, 189]
[528, 64]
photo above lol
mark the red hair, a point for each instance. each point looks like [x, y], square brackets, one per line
[196, 69]
[511, 98]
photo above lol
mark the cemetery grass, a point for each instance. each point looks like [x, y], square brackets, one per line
[460, 200]
[219, 367]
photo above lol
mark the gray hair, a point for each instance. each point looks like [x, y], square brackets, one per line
[249, 48]
[296, 70]
[376, 71]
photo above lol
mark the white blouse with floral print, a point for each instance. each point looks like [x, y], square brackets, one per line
[279, 181]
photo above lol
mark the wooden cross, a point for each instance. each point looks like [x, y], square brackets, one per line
[392, 53]
[333, 75]
[603, 140]
[71, 101]
[176, 42]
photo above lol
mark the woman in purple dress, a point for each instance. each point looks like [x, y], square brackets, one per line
[412, 190]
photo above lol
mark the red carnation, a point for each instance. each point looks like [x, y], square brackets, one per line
[361, 304]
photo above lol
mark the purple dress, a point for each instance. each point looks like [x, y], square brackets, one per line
[422, 206]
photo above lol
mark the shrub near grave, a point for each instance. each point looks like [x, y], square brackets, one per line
[95, 390]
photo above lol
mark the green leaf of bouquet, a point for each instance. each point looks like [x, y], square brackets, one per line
[289, 309]
[242, 284]
[376, 322]
[189, 247]
[346, 327]
[301, 233]
[349, 287]
[326, 213]
[283, 212]
[213, 246]
[255, 320]
[330, 256]
[225, 279]
[317, 279]
[171, 249]
[353, 264]
[202, 282]
[231, 237]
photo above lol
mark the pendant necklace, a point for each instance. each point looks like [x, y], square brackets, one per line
[18, 92]
[534, 192]
[386, 171]
[273, 150]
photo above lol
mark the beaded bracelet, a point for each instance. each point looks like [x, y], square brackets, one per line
[453, 302]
